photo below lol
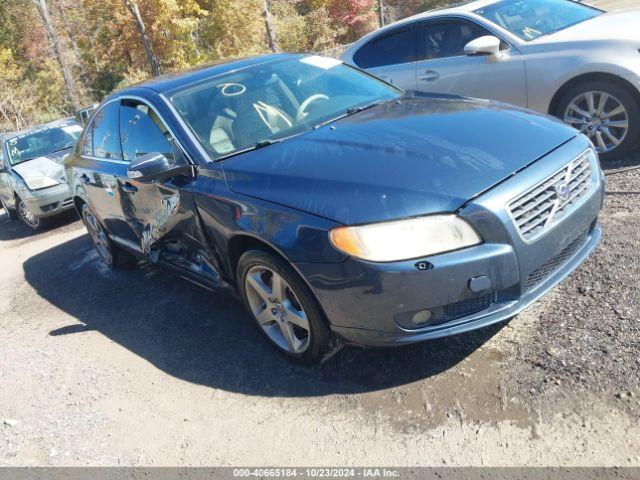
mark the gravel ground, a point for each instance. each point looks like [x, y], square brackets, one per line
[106, 368]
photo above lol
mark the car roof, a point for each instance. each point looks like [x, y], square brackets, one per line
[456, 8]
[56, 123]
[171, 81]
[462, 7]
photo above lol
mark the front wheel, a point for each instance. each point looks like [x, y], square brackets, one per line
[607, 113]
[284, 309]
[26, 216]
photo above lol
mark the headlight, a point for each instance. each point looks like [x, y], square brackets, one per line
[405, 239]
[38, 183]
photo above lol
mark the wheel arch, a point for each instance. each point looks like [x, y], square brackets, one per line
[589, 77]
[242, 243]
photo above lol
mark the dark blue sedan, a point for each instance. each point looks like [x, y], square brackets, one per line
[341, 209]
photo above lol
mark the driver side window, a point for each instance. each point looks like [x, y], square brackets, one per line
[142, 132]
[444, 39]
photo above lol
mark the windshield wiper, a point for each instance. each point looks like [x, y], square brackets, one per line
[63, 148]
[354, 110]
[351, 111]
[257, 146]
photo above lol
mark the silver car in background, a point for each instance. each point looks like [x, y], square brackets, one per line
[33, 186]
[559, 57]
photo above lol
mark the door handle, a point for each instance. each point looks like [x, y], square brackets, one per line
[129, 188]
[430, 76]
[84, 178]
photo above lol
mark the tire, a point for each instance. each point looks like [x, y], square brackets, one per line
[595, 124]
[28, 218]
[111, 254]
[291, 320]
[11, 213]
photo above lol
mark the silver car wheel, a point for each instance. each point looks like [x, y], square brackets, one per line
[27, 216]
[98, 236]
[277, 310]
[600, 116]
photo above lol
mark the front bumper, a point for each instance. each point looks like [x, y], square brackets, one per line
[49, 201]
[373, 304]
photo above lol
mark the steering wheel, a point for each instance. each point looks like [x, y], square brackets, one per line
[302, 111]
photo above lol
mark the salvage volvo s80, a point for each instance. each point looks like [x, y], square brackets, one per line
[341, 209]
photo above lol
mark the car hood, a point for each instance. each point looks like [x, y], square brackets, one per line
[49, 166]
[401, 159]
[619, 25]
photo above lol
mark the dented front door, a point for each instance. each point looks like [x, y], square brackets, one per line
[161, 215]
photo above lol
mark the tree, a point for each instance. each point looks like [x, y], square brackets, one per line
[72, 39]
[151, 57]
[271, 32]
[55, 45]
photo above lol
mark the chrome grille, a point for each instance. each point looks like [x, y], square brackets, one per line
[548, 203]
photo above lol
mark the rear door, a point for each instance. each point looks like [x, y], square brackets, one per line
[102, 171]
[443, 67]
[391, 56]
[161, 215]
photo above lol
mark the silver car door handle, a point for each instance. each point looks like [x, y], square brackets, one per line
[430, 76]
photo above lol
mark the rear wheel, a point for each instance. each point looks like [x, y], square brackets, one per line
[26, 216]
[112, 255]
[285, 311]
[607, 113]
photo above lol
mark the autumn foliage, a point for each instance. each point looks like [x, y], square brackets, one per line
[103, 48]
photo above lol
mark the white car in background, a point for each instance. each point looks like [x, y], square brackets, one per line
[571, 60]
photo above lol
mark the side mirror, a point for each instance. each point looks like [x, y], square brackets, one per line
[488, 45]
[155, 166]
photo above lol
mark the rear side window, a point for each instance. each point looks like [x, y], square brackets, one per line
[393, 48]
[104, 133]
[448, 39]
[142, 132]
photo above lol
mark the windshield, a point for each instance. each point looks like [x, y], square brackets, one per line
[531, 19]
[41, 142]
[259, 105]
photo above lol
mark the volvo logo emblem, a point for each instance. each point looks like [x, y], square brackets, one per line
[562, 190]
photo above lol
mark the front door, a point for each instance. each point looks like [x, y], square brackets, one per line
[443, 67]
[161, 215]
[391, 56]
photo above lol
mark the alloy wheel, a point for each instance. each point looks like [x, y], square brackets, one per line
[277, 310]
[27, 216]
[600, 116]
[98, 235]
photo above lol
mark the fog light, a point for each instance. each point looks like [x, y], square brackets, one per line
[422, 317]
[48, 208]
